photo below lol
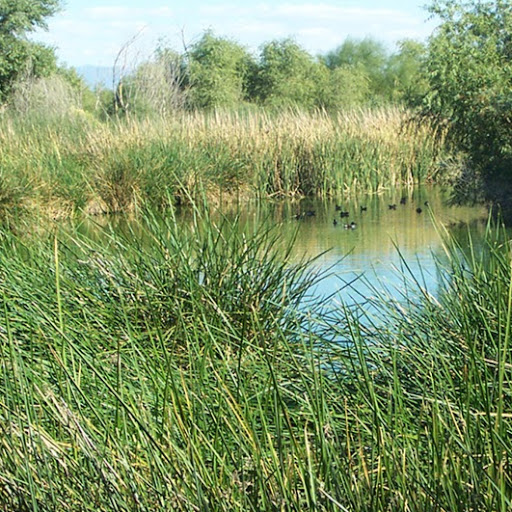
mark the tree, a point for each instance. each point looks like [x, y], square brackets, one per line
[366, 56]
[469, 70]
[403, 73]
[342, 88]
[217, 72]
[17, 19]
[287, 75]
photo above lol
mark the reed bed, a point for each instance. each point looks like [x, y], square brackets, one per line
[166, 367]
[76, 163]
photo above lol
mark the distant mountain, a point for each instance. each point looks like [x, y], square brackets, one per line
[96, 75]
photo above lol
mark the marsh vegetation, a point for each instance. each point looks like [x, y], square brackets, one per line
[173, 368]
[182, 358]
[78, 164]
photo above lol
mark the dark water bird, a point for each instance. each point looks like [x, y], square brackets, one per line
[403, 200]
[418, 210]
[334, 222]
[307, 213]
[426, 203]
[344, 214]
[392, 206]
[337, 208]
[364, 208]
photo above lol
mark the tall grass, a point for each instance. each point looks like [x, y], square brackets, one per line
[186, 368]
[428, 388]
[77, 163]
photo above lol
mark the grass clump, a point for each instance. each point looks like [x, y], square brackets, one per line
[182, 368]
[428, 388]
[146, 373]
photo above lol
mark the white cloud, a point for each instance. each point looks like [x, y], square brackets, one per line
[117, 12]
[94, 34]
[316, 26]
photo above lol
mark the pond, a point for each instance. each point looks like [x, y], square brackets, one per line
[395, 234]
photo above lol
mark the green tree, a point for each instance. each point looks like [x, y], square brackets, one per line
[217, 72]
[404, 72]
[343, 87]
[287, 75]
[17, 19]
[469, 69]
[366, 56]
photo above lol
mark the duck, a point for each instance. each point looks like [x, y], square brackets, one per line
[344, 214]
[334, 222]
[418, 210]
[364, 208]
[337, 208]
[392, 206]
[403, 200]
[352, 225]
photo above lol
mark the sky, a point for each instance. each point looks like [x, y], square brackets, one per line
[92, 32]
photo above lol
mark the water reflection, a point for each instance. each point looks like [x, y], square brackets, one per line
[385, 239]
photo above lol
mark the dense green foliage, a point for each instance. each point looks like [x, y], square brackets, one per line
[366, 56]
[286, 76]
[179, 366]
[18, 55]
[469, 70]
[217, 72]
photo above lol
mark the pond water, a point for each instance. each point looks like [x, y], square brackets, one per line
[385, 243]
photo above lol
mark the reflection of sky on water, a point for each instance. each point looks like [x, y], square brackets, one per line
[388, 247]
[387, 244]
[359, 277]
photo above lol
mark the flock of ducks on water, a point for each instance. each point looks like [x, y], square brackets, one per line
[344, 214]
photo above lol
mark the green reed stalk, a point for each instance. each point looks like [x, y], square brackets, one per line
[197, 378]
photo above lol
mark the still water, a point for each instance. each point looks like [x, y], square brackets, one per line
[391, 239]
[387, 242]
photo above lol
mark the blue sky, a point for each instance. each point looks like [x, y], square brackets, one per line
[92, 31]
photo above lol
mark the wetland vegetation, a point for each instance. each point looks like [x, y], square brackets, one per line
[181, 356]
[73, 164]
[185, 368]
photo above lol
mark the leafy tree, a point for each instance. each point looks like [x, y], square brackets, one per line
[217, 73]
[287, 75]
[405, 80]
[366, 56]
[17, 19]
[469, 69]
[343, 87]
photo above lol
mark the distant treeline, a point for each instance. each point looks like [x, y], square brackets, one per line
[218, 72]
